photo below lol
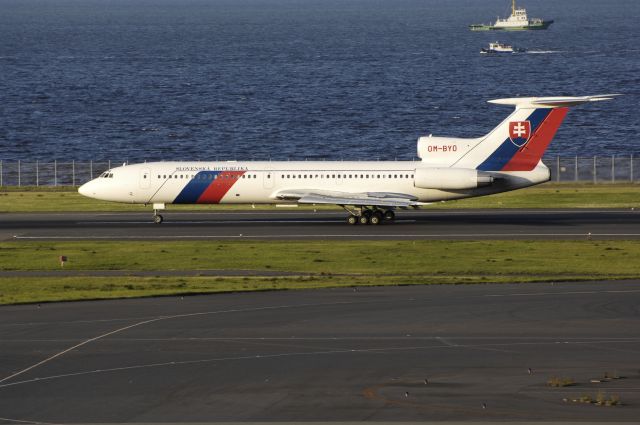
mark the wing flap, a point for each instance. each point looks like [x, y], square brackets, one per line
[373, 199]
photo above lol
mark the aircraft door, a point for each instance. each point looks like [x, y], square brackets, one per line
[268, 179]
[145, 179]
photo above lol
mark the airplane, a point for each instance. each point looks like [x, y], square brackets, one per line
[509, 157]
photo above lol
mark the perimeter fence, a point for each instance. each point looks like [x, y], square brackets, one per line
[595, 169]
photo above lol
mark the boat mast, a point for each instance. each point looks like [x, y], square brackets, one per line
[513, 7]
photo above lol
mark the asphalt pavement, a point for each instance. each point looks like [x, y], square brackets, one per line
[287, 224]
[441, 352]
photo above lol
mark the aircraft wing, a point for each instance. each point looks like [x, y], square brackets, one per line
[370, 199]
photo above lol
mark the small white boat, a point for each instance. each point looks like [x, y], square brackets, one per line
[501, 48]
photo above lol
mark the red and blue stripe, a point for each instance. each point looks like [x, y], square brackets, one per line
[509, 157]
[208, 187]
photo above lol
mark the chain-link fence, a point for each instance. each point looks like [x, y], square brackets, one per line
[56, 173]
[596, 169]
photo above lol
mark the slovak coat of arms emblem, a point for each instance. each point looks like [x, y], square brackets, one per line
[519, 132]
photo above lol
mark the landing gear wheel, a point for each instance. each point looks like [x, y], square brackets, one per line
[376, 218]
[157, 219]
[365, 217]
[389, 215]
[352, 219]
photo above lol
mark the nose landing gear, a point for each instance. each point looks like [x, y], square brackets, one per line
[373, 216]
[157, 218]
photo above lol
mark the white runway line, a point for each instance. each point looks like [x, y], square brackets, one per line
[213, 222]
[541, 294]
[490, 346]
[144, 322]
[26, 422]
[48, 359]
[342, 236]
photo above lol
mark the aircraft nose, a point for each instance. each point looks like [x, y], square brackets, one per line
[85, 189]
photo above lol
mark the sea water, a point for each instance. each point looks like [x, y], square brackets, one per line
[295, 79]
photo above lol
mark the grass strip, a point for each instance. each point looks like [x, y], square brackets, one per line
[354, 257]
[52, 289]
[549, 195]
[333, 264]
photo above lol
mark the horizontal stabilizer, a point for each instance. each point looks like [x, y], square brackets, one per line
[552, 102]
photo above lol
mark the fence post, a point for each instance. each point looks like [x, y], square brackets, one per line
[19, 176]
[595, 180]
[613, 168]
[0, 173]
[73, 172]
[558, 168]
[576, 169]
[630, 169]
[37, 173]
[91, 169]
[55, 172]
[109, 167]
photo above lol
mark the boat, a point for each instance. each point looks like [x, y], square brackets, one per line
[518, 21]
[501, 48]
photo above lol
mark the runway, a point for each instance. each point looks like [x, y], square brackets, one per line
[442, 352]
[425, 224]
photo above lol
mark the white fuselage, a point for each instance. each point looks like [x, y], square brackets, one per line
[261, 182]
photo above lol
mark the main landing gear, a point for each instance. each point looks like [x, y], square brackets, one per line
[373, 216]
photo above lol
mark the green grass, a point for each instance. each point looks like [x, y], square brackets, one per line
[332, 264]
[35, 290]
[549, 195]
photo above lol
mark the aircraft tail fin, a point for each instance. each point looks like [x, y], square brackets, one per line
[518, 142]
